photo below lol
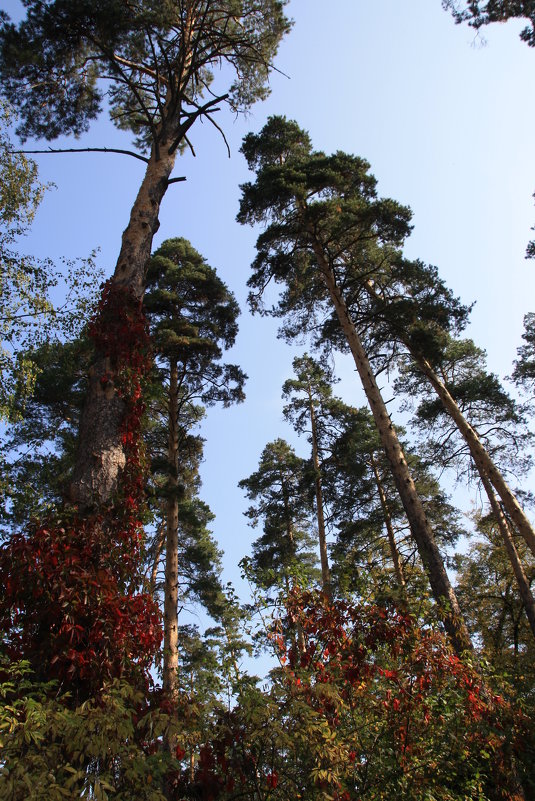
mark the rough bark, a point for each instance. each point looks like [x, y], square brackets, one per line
[325, 571]
[523, 584]
[394, 553]
[100, 456]
[421, 530]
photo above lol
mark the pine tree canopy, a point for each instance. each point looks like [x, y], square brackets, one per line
[153, 61]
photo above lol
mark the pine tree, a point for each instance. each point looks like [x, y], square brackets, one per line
[364, 507]
[415, 312]
[490, 413]
[524, 372]
[282, 555]
[192, 317]
[155, 63]
[317, 208]
[495, 612]
[309, 398]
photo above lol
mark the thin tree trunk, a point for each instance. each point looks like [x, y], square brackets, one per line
[481, 457]
[325, 571]
[160, 542]
[421, 530]
[290, 534]
[390, 530]
[100, 455]
[523, 584]
[170, 648]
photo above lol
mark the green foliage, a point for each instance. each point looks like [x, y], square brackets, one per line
[371, 707]
[479, 13]
[298, 192]
[362, 556]
[495, 614]
[193, 316]
[410, 307]
[154, 61]
[28, 317]
[524, 371]
[283, 503]
[40, 443]
[102, 749]
[483, 401]
[311, 386]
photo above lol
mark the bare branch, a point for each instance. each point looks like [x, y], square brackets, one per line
[86, 150]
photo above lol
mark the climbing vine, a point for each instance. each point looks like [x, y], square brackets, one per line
[72, 604]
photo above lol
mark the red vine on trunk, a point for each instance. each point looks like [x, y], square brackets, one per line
[72, 605]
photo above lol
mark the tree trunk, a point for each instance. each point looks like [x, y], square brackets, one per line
[482, 459]
[523, 584]
[170, 647]
[390, 530]
[443, 592]
[100, 455]
[325, 572]
[158, 548]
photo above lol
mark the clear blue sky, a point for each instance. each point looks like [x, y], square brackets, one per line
[447, 125]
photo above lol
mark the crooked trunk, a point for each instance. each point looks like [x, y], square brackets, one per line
[421, 530]
[100, 456]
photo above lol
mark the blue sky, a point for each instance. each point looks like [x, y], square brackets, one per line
[447, 125]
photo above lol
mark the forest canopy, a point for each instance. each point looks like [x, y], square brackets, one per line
[267, 527]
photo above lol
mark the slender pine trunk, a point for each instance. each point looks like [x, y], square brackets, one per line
[394, 553]
[325, 571]
[442, 590]
[170, 648]
[158, 549]
[523, 584]
[484, 463]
